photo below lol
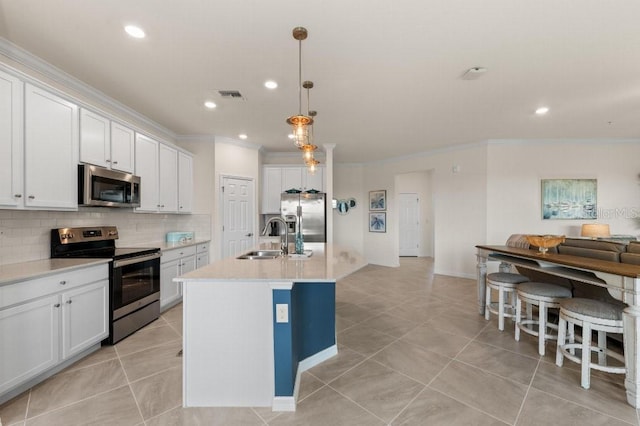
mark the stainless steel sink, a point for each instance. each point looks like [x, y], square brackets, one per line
[261, 255]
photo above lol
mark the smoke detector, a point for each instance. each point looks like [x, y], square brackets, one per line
[474, 73]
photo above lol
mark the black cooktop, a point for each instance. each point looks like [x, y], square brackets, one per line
[94, 242]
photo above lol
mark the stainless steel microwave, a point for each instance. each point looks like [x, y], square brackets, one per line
[98, 186]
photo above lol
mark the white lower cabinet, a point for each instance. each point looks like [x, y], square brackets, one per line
[84, 317]
[202, 255]
[174, 263]
[29, 341]
[45, 321]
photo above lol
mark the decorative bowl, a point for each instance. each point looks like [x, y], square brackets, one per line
[544, 242]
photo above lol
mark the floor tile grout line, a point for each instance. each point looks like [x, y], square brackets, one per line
[135, 400]
[264, 421]
[351, 400]
[467, 404]
[524, 400]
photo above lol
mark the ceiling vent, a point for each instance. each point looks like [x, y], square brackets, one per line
[230, 94]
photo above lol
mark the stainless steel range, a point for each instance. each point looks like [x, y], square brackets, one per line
[134, 275]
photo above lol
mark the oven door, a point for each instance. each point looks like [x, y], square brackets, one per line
[135, 283]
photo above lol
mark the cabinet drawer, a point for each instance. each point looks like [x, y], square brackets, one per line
[12, 294]
[173, 254]
[202, 248]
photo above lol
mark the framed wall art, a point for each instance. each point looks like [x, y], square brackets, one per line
[569, 199]
[377, 200]
[378, 222]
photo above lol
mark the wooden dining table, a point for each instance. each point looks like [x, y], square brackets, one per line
[621, 280]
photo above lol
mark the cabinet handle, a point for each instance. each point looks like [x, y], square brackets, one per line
[158, 206]
[31, 197]
[115, 162]
[57, 305]
[69, 301]
[63, 282]
[162, 206]
[250, 234]
[18, 195]
[107, 161]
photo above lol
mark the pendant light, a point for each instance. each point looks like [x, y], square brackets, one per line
[308, 148]
[300, 123]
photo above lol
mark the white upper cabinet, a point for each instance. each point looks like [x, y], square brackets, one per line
[105, 143]
[271, 189]
[50, 150]
[11, 141]
[168, 183]
[95, 137]
[278, 179]
[313, 181]
[147, 168]
[291, 178]
[157, 166]
[122, 148]
[185, 183]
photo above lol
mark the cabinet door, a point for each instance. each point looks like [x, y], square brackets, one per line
[29, 339]
[169, 291]
[85, 318]
[94, 138]
[315, 180]
[51, 150]
[271, 189]
[202, 259]
[122, 148]
[147, 168]
[188, 264]
[185, 183]
[168, 183]
[11, 141]
[291, 178]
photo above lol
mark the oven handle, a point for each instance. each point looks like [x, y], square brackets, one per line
[125, 262]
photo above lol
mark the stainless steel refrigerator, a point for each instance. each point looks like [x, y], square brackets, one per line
[314, 227]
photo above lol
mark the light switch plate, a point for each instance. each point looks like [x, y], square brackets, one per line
[282, 312]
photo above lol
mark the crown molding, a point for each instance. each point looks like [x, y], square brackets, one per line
[36, 64]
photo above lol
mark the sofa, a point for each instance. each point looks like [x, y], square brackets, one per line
[613, 251]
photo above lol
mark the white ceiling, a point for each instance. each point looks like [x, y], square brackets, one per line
[386, 72]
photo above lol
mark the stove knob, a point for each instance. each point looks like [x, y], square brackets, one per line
[70, 235]
[63, 236]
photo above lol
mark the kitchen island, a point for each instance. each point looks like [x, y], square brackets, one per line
[251, 327]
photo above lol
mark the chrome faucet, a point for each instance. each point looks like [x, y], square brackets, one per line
[284, 246]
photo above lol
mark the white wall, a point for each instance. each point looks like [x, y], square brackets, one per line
[420, 184]
[459, 207]
[516, 167]
[348, 229]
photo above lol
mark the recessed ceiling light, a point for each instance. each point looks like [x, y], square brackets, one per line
[242, 136]
[270, 84]
[542, 110]
[134, 31]
[210, 104]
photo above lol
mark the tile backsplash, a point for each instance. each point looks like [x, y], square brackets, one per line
[25, 235]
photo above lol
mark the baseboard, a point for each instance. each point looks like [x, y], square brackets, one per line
[316, 359]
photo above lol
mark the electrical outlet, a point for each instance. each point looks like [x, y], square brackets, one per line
[282, 312]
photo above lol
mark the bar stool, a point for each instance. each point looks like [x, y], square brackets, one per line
[591, 315]
[544, 296]
[505, 283]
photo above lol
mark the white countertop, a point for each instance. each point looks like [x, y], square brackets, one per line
[164, 246]
[329, 262]
[16, 272]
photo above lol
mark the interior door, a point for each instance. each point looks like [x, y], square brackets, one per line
[238, 215]
[409, 224]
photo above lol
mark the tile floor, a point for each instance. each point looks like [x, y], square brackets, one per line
[412, 351]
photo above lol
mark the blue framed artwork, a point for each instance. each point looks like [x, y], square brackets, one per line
[378, 222]
[377, 200]
[569, 199]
